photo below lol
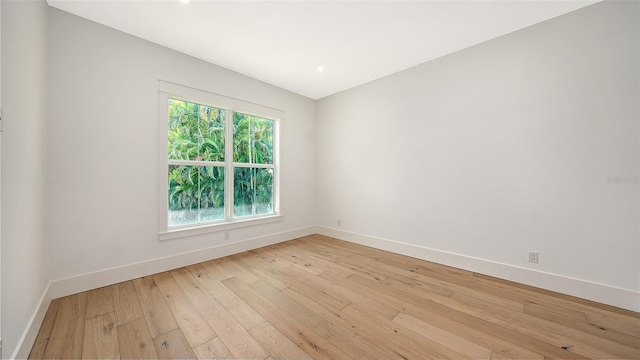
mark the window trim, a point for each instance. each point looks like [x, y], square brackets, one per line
[172, 90]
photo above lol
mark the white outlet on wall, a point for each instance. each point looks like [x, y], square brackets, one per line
[339, 222]
[533, 257]
[227, 235]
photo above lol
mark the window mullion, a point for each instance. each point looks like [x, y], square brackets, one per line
[228, 169]
[254, 166]
[196, 162]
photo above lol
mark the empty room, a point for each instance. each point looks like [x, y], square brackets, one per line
[319, 179]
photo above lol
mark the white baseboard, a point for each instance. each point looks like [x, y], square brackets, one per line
[30, 333]
[623, 298]
[94, 280]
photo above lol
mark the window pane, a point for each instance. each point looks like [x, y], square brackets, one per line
[212, 133]
[252, 139]
[196, 132]
[196, 193]
[183, 190]
[211, 193]
[253, 191]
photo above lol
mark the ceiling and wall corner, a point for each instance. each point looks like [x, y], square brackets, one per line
[284, 42]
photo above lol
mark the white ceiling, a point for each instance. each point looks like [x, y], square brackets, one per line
[284, 42]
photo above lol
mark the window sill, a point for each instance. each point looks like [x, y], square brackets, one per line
[213, 228]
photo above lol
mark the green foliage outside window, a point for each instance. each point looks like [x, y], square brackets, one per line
[196, 192]
[252, 139]
[252, 144]
[196, 132]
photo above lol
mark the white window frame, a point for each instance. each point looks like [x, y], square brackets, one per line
[171, 90]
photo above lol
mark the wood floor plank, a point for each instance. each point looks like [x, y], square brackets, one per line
[262, 270]
[560, 335]
[215, 269]
[101, 337]
[154, 308]
[409, 301]
[340, 337]
[335, 262]
[340, 267]
[277, 344]
[567, 301]
[213, 349]
[67, 334]
[517, 321]
[321, 325]
[40, 344]
[522, 293]
[283, 271]
[238, 271]
[482, 337]
[583, 325]
[346, 269]
[126, 303]
[134, 340]
[99, 301]
[194, 327]
[325, 246]
[299, 259]
[399, 339]
[412, 274]
[361, 296]
[404, 277]
[498, 356]
[173, 345]
[365, 338]
[263, 261]
[447, 339]
[424, 270]
[433, 267]
[233, 335]
[317, 249]
[483, 300]
[419, 288]
[336, 245]
[237, 308]
[307, 340]
[502, 347]
[606, 320]
[328, 296]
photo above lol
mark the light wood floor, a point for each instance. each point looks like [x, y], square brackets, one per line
[322, 298]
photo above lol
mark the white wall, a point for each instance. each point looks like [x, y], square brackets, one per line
[103, 87]
[498, 149]
[25, 258]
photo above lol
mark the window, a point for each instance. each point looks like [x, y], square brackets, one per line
[218, 162]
